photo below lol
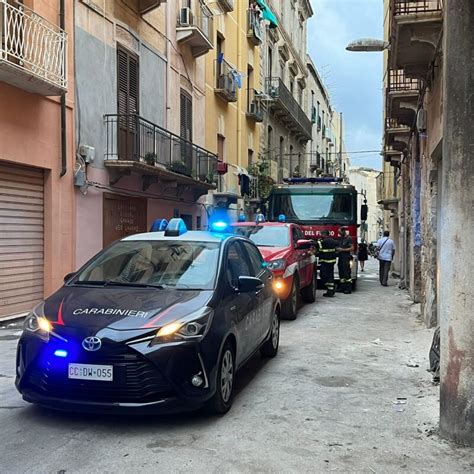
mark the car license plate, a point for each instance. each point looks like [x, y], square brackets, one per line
[104, 373]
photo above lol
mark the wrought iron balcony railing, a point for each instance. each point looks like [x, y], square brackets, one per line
[32, 50]
[133, 138]
[284, 99]
[254, 105]
[407, 7]
[398, 82]
[394, 123]
[226, 80]
[254, 27]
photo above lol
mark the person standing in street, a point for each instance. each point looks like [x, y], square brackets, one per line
[344, 261]
[327, 259]
[385, 254]
[362, 254]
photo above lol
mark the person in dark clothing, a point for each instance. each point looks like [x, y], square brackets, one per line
[362, 254]
[344, 262]
[327, 260]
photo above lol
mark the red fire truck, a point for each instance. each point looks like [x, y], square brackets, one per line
[316, 204]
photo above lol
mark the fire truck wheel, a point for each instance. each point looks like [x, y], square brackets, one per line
[309, 292]
[290, 306]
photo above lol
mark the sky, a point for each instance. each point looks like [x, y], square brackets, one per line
[354, 80]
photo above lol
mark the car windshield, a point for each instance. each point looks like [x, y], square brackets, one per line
[180, 265]
[265, 236]
[307, 208]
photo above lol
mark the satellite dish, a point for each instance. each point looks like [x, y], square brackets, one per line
[368, 45]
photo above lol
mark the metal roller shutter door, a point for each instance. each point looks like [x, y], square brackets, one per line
[21, 238]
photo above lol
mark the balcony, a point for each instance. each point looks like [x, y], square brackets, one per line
[397, 135]
[402, 96]
[32, 51]
[226, 5]
[286, 108]
[254, 105]
[394, 157]
[255, 30]
[133, 144]
[226, 80]
[195, 30]
[416, 27]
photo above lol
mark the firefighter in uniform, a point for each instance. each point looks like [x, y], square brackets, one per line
[344, 262]
[327, 259]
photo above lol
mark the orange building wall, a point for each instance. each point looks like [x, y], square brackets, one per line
[30, 135]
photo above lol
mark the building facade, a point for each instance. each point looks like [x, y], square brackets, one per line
[365, 181]
[327, 153]
[233, 99]
[413, 142]
[287, 128]
[140, 121]
[36, 151]
[428, 162]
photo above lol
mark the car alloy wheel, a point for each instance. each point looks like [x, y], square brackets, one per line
[275, 331]
[227, 375]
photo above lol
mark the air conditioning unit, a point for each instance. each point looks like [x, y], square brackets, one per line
[255, 109]
[185, 17]
[421, 120]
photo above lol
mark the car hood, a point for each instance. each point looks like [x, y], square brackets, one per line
[121, 308]
[273, 253]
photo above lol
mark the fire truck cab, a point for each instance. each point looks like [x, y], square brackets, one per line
[318, 204]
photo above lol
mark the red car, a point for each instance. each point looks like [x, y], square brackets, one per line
[290, 257]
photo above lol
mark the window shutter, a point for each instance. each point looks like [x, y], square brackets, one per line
[127, 83]
[186, 117]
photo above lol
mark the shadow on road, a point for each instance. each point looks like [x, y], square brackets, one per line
[48, 418]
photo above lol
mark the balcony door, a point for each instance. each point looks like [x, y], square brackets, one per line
[186, 131]
[127, 104]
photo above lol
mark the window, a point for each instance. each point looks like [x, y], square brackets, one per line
[250, 156]
[265, 236]
[270, 142]
[236, 265]
[186, 111]
[256, 259]
[180, 265]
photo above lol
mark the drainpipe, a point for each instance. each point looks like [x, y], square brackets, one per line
[63, 104]
[239, 68]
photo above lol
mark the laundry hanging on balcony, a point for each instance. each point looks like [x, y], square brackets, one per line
[267, 14]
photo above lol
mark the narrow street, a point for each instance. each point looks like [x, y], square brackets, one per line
[326, 403]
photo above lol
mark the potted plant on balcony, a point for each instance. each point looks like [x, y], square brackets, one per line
[179, 167]
[150, 158]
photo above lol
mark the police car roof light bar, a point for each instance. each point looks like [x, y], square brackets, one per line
[330, 179]
[175, 228]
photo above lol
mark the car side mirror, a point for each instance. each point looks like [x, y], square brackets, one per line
[69, 276]
[304, 244]
[249, 284]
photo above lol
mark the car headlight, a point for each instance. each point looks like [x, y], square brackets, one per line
[278, 264]
[191, 328]
[37, 323]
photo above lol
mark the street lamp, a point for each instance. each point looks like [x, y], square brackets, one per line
[368, 45]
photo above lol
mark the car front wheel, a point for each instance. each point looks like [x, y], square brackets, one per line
[270, 348]
[309, 292]
[221, 402]
[290, 305]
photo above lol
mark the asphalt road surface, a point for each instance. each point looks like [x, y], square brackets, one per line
[325, 403]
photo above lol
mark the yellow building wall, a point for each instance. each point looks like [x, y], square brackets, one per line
[229, 118]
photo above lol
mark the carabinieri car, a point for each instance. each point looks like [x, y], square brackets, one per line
[156, 322]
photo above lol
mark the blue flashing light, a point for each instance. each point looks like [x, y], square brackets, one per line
[329, 179]
[260, 218]
[219, 226]
[282, 218]
[241, 217]
[159, 225]
[175, 228]
[60, 353]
